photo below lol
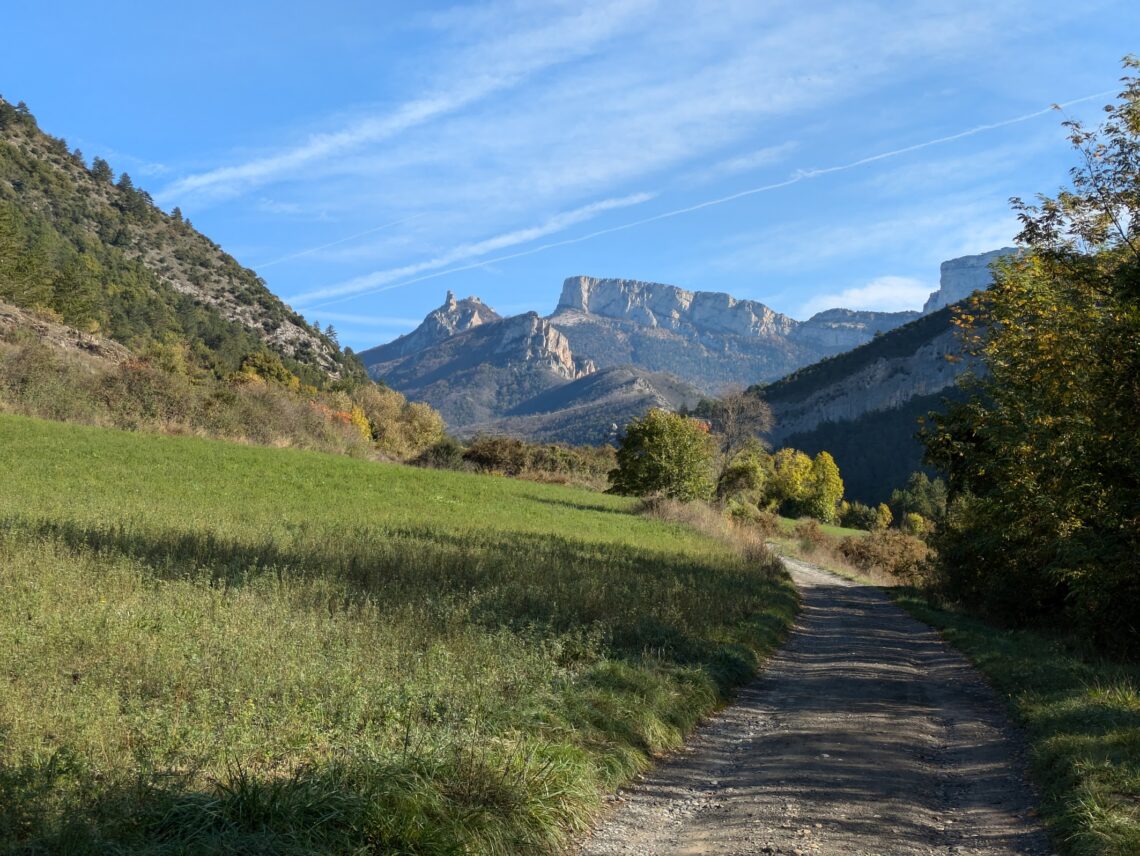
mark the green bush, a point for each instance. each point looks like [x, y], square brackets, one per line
[856, 515]
[664, 454]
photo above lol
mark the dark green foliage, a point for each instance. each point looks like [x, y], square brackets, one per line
[1043, 461]
[921, 495]
[878, 451]
[101, 171]
[664, 454]
[506, 455]
[77, 246]
[447, 454]
[856, 515]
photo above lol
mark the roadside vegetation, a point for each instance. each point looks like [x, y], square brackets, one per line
[210, 647]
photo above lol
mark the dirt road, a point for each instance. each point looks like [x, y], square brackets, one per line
[866, 734]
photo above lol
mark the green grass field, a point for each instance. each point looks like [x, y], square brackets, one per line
[788, 526]
[208, 647]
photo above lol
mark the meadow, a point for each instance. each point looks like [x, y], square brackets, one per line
[209, 647]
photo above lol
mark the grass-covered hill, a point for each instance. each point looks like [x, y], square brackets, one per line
[209, 647]
[94, 251]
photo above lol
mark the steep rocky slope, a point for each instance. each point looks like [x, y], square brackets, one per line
[709, 339]
[483, 372]
[454, 316]
[99, 254]
[592, 409]
[880, 375]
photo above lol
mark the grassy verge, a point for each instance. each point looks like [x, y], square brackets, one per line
[1080, 714]
[788, 527]
[213, 648]
[1082, 718]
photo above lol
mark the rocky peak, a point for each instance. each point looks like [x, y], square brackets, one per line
[531, 338]
[654, 304]
[443, 322]
[961, 277]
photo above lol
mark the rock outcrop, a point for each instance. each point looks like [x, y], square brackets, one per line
[614, 347]
[919, 359]
[961, 277]
[842, 329]
[454, 316]
[484, 371]
[709, 339]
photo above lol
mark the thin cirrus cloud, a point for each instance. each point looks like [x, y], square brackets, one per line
[408, 274]
[380, 279]
[491, 67]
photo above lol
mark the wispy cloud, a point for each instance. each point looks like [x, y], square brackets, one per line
[411, 274]
[491, 67]
[748, 162]
[380, 279]
[883, 294]
[368, 321]
[339, 241]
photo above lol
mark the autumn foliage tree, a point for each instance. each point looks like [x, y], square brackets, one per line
[1043, 461]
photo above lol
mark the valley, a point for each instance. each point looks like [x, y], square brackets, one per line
[628, 576]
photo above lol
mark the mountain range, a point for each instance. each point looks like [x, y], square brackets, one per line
[612, 348]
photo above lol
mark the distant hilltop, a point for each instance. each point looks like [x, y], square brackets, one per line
[961, 277]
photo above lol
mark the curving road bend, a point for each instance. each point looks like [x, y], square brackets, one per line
[865, 734]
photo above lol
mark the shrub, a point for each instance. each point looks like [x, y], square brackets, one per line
[447, 454]
[810, 534]
[898, 554]
[667, 454]
[506, 455]
[856, 515]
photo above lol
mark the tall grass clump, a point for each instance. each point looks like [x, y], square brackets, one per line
[218, 648]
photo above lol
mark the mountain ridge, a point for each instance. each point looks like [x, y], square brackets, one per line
[703, 342]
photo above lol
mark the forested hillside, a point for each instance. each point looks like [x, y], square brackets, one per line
[115, 313]
[94, 251]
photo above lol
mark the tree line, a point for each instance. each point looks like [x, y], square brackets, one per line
[1043, 456]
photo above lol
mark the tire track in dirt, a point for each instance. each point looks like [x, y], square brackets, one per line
[865, 734]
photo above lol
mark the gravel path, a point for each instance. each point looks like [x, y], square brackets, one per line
[866, 734]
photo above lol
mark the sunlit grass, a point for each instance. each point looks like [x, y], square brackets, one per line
[209, 647]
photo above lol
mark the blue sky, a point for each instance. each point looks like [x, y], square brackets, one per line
[366, 157]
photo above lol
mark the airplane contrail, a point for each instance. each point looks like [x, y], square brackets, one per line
[796, 178]
[311, 250]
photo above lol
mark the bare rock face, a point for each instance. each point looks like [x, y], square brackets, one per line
[708, 339]
[870, 379]
[653, 304]
[454, 316]
[843, 329]
[477, 374]
[963, 276]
